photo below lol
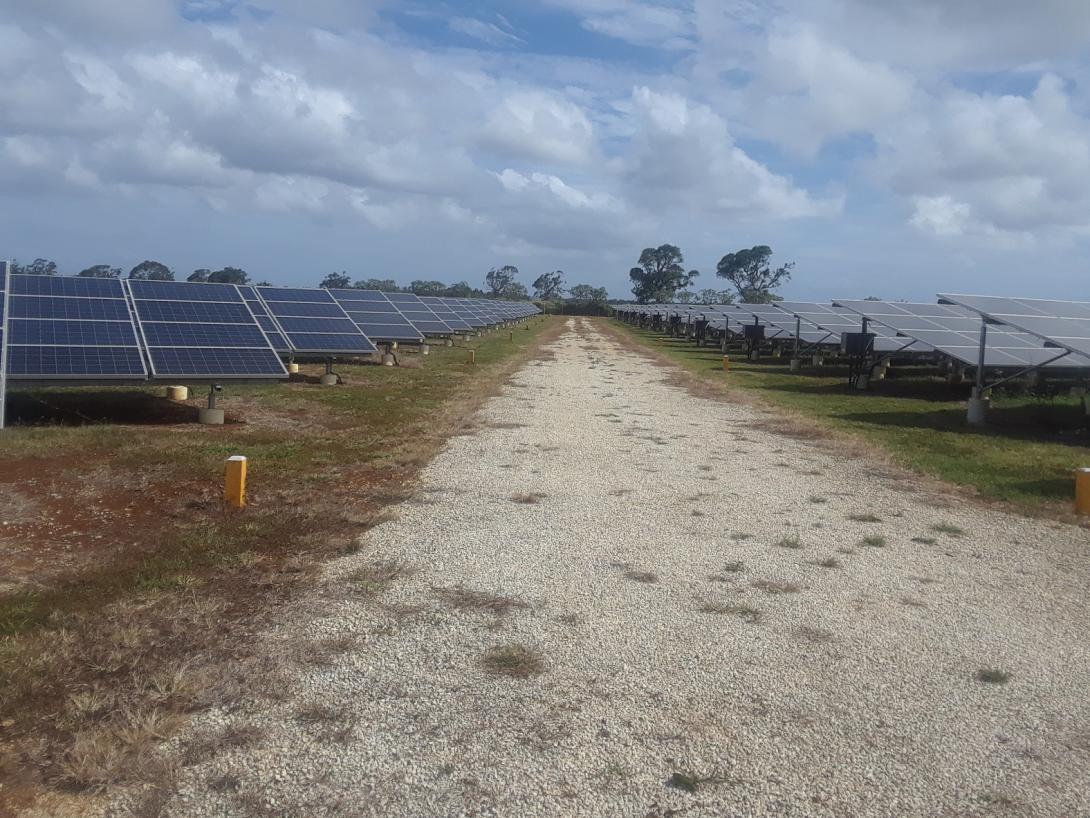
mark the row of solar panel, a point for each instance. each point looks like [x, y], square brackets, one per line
[96, 329]
[1020, 332]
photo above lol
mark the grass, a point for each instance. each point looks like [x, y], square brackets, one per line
[741, 536]
[105, 652]
[790, 541]
[745, 612]
[873, 541]
[641, 576]
[528, 498]
[466, 599]
[1023, 456]
[948, 528]
[817, 499]
[864, 518]
[924, 540]
[514, 660]
[376, 577]
[992, 676]
[775, 587]
[828, 562]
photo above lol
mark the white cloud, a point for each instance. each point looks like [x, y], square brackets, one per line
[666, 25]
[484, 31]
[683, 156]
[540, 125]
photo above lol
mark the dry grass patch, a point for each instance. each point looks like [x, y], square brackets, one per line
[992, 676]
[745, 612]
[466, 599]
[828, 562]
[770, 586]
[515, 660]
[808, 633]
[924, 540]
[817, 499]
[377, 576]
[948, 528]
[791, 541]
[528, 498]
[873, 541]
[741, 536]
[912, 602]
[621, 492]
[865, 518]
[641, 576]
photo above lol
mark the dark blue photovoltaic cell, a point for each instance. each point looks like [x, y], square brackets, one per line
[71, 309]
[343, 342]
[66, 286]
[257, 308]
[196, 311]
[427, 323]
[182, 291]
[371, 306]
[339, 325]
[36, 332]
[278, 341]
[203, 335]
[294, 309]
[214, 363]
[382, 331]
[293, 294]
[44, 362]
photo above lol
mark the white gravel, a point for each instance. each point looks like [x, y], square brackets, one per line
[883, 719]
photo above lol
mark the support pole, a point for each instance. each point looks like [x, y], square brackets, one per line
[977, 414]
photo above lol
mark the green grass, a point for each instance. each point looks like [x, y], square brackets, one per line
[1024, 456]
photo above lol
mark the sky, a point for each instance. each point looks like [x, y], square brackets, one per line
[887, 148]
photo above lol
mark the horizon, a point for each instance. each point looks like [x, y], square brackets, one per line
[401, 140]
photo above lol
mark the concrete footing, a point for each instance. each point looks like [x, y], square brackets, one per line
[213, 417]
[178, 392]
[328, 379]
[755, 355]
[293, 368]
[795, 365]
[425, 349]
[817, 360]
[862, 383]
[388, 359]
[978, 411]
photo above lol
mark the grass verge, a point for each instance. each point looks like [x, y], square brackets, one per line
[131, 595]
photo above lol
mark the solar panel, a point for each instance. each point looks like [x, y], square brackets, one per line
[1065, 324]
[201, 331]
[70, 329]
[313, 323]
[774, 317]
[276, 338]
[446, 314]
[3, 335]
[376, 316]
[419, 314]
[955, 331]
[839, 321]
[466, 312]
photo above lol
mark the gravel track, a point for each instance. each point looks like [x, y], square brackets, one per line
[854, 694]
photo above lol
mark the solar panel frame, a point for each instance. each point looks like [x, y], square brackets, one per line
[276, 338]
[419, 314]
[467, 313]
[446, 313]
[61, 300]
[332, 333]
[191, 303]
[1048, 320]
[841, 321]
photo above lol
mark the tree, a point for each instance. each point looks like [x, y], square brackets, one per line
[386, 285]
[515, 292]
[462, 290]
[427, 287]
[715, 297]
[336, 281]
[497, 280]
[872, 298]
[199, 276]
[151, 271]
[660, 274]
[685, 297]
[38, 267]
[263, 284]
[228, 275]
[100, 271]
[751, 274]
[585, 292]
[549, 285]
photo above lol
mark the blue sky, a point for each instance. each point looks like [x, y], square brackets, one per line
[887, 148]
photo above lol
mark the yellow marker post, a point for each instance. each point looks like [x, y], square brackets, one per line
[726, 363]
[511, 336]
[472, 356]
[234, 484]
[1082, 491]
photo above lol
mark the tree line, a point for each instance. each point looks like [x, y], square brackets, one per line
[661, 277]
[499, 282]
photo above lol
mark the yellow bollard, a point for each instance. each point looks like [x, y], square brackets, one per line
[510, 336]
[1082, 491]
[472, 356]
[234, 484]
[726, 363]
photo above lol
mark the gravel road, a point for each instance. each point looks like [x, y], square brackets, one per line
[702, 627]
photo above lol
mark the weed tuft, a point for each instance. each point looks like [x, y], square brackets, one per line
[948, 528]
[828, 562]
[377, 576]
[864, 518]
[791, 541]
[641, 576]
[745, 612]
[466, 599]
[514, 660]
[773, 587]
[992, 676]
[873, 541]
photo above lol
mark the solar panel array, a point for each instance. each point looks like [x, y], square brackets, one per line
[839, 321]
[313, 323]
[446, 313]
[4, 272]
[71, 328]
[419, 314]
[955, 332]
[264, 320]
[201, 331]
[1065, 324]
[377, 316]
